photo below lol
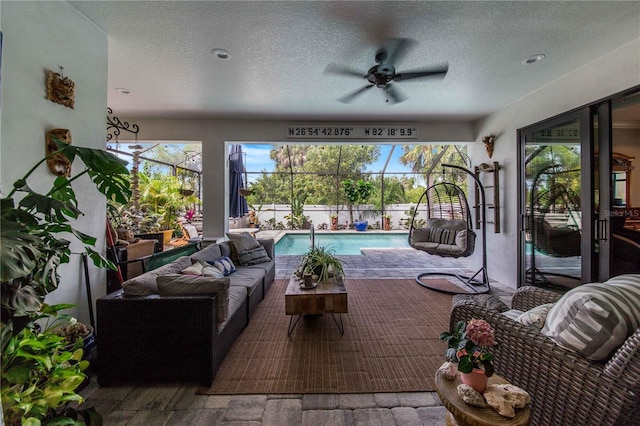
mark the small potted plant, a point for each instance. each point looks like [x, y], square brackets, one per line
[386, 222]
[468, 346]
[333, 218]
[321, 263]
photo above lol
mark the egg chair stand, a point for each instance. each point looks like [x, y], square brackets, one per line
[449, 233]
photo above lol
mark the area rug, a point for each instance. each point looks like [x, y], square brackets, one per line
[390, 344]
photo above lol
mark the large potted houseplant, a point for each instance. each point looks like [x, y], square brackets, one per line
[40, 376]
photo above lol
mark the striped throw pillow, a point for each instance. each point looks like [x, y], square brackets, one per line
[442, 236]
[595, 319]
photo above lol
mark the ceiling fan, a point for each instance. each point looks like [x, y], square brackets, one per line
[384, 73]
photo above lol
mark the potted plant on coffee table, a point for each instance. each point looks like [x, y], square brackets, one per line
[321, 263]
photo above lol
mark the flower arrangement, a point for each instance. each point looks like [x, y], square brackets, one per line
[469, 346]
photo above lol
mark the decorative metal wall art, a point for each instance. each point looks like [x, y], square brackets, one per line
[58, 163]
[60, 89]
[488, 142]
[115, 126]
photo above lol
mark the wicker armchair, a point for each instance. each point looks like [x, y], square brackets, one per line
[566, 388]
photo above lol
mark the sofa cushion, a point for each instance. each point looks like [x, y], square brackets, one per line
[249, 278]
[237, 296]
[224, 264]
[209, 253]
[184, 285]
[253, 256]
[145, 284]
[595, 319]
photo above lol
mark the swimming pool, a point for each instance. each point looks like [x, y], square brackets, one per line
[342, 243]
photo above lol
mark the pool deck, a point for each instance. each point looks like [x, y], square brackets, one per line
[385, 263]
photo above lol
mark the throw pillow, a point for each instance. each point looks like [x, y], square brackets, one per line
[225, 265]
[243, 242]
[442, 236]
[212, 271]
[181, 285]
[195, 269]
[145, 284]
[535, 317]
[253, 256]
[595, 319]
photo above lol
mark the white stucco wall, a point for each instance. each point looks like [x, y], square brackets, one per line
[41, 36]
[617, 71]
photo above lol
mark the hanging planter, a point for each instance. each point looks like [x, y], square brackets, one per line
[186, 192]
[244, 192]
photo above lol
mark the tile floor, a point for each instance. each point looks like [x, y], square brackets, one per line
[178, 404]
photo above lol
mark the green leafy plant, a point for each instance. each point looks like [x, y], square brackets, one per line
[320, 261]
[162, 198]
[296, 219]
[40, 374]
[357, 192]
[468, 345]
[30, 227]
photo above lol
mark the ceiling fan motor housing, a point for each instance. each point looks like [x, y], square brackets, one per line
[381, 75]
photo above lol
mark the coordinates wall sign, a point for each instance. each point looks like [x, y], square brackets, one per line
[352, 132]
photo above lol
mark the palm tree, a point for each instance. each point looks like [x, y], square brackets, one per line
[288, 156]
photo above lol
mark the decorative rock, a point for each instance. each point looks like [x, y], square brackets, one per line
[471, 396]
[450, 370]
[506, 398]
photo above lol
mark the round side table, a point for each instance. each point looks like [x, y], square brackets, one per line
[463, 414]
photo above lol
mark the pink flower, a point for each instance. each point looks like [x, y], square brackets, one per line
[480, 333]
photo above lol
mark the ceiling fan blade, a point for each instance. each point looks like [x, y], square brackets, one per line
[341, 70]
[393, 50]
[393, 94]
[440, 72]
[351, 96]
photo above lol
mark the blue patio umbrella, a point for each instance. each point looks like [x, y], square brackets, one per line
[237, 203]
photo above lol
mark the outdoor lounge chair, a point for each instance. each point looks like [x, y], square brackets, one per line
[566, 388]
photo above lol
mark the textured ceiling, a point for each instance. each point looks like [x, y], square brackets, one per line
[161, 52]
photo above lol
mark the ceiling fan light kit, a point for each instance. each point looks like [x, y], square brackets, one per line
[384, 73]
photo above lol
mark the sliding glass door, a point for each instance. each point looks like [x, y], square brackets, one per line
[552, 201]
[579, 199]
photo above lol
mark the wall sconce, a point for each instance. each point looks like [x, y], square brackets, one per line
[488, 142]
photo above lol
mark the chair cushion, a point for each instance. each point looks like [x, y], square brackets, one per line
[595, 319]
[186, 285]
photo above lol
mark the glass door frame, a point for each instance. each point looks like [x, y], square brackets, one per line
[583, 117]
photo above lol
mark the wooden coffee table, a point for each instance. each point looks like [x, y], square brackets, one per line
[328, 297]
[462, 414]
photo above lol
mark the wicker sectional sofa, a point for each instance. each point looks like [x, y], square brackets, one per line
[145, 336]
[566, 387]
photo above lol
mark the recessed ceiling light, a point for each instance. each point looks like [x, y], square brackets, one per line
[533, 59]
[123, 91]
[221, 54]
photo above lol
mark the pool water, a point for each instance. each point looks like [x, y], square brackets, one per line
[343, 243]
